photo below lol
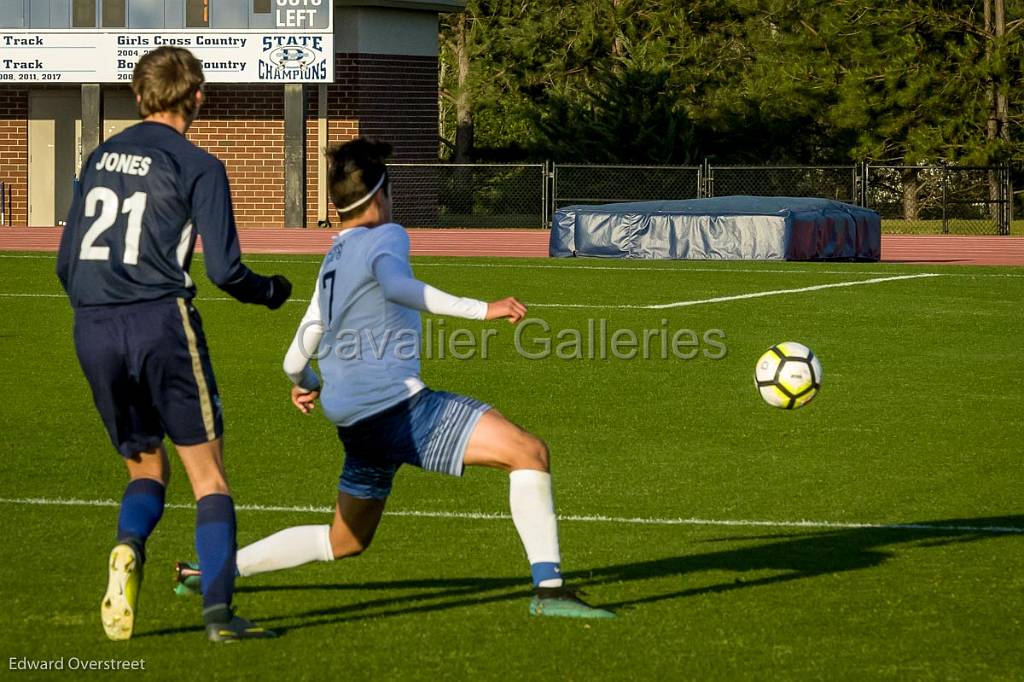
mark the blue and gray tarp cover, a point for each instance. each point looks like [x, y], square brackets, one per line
[721, 228]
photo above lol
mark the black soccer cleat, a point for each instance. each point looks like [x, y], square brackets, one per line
[237, 629]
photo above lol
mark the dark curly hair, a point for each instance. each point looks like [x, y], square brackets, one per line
[355, 168]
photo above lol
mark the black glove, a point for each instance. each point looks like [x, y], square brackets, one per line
[280, 291]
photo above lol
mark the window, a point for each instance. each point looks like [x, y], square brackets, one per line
[114, 14]
[12, 16]
[146, 14]
[261, 6]
[197, 13]
[83, 13]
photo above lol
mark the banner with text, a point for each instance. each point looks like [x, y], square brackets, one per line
[299, 50]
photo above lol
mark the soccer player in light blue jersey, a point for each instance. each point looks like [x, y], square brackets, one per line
[363, 326]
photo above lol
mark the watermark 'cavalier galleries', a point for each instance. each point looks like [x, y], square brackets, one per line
[533, 339]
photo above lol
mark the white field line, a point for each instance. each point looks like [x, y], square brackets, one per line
[623, 520]
[315, 260]
[199, 300]
[659, 306]
[686, 269]
[738, 297]
[35, 256]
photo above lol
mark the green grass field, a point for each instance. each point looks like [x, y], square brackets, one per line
[680, 490]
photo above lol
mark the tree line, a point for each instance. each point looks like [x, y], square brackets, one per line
[734, 81]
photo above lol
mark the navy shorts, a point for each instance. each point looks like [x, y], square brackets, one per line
[150, 373]
[429, 430]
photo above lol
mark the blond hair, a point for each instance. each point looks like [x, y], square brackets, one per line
[166, 80]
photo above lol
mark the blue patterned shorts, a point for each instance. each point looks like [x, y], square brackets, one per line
[429, 430]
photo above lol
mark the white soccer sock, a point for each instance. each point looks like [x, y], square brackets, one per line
[533, 513]
[286, 549]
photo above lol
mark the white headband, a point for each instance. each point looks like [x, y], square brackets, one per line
[366, 198]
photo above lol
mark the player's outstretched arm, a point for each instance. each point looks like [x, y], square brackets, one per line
[400, 286]
[215, 219]
[508, 308]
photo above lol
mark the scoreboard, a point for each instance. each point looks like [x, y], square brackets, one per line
[298, 48]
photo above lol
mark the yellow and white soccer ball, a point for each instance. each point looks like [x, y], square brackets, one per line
[788, 375]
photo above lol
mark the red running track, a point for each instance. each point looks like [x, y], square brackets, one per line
[987, 250]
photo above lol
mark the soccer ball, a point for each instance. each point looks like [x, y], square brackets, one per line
[788, 375]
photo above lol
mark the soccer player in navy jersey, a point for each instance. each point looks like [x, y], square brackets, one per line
[124, 259]
[363, 325]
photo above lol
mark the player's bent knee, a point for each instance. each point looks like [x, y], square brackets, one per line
[543, 456]
[350, 547]
[211, 486]
[534, 455]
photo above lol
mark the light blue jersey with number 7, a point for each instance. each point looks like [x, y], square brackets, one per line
[363, 325]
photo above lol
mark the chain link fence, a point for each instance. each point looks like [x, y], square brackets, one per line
[825, 182]
[940, 199]
[583, 184]
[910, 199]
[469, 195]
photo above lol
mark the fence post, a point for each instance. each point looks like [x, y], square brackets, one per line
[3, 203]
[551, 182]
[945, 186]
[545, 196]
[1006, 200]
[865, 183]
[706, 189]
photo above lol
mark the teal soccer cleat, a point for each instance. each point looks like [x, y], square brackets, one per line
[564, 602]
[186, 579]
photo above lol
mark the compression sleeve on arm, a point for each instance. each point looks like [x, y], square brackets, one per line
[304, 346]
[215, 221]
[400, 286]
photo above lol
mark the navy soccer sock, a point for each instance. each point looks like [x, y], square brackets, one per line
[141, 508]
[215, 546]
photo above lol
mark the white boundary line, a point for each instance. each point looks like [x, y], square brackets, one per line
[35, 256]
[611, 306]
[308, 259]
[738, 297]
[199, 300]
[491, 516]
[696, 269]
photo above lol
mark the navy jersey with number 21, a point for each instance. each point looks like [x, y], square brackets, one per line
[142, 198]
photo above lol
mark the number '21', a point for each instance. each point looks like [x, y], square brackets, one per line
[106, 202]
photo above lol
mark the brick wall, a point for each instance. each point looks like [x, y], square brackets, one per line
[393, 98]
[389, 97]
[14, 150]
[243, 126]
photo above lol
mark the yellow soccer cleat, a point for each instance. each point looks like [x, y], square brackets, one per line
[117, 610]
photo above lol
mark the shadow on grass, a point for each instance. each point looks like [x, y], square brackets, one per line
[799, 557]
[790, 557]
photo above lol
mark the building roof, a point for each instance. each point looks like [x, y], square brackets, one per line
[424, 5]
